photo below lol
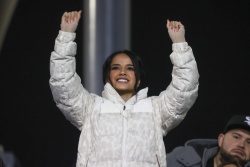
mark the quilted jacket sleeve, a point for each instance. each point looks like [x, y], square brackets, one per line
[180, 95]
[68, 93]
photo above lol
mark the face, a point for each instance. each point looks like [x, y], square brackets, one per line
[122, 75]
[235, 145]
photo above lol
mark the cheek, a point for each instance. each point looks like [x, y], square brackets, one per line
[132, 76]
[111, 75]
[248, 153]
[226, 145]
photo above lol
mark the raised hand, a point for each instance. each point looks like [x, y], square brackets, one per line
[176, 31]
[70, 21]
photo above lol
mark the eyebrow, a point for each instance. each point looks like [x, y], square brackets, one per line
[119, 65]
[235, 133]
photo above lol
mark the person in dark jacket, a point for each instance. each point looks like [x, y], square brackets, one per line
[233, 145]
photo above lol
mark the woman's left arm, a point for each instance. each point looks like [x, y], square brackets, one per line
[180, 95]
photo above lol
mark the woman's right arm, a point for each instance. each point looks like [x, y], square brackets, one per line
[68, 93]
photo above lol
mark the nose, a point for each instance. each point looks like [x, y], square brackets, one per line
[122, 72]
[241, 143]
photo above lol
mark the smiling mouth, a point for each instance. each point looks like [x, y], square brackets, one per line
[122, 80]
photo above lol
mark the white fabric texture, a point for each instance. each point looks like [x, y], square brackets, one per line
[115, 133]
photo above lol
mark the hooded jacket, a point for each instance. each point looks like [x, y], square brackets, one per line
[195, 153]
[115, 132]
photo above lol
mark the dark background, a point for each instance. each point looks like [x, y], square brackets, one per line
[218, 31]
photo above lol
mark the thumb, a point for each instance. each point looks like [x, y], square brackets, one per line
[168, 24]
[64, 17]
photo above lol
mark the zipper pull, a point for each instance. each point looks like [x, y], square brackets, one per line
[125, 114]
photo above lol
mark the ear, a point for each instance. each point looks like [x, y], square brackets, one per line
[220, 139]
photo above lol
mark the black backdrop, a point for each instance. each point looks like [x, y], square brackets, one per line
[34, 129]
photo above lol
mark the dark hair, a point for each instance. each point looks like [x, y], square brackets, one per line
[137, 63]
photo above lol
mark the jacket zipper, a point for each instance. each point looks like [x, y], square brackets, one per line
[124, 140]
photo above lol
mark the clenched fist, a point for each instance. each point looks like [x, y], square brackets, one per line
[70, 21]
[176, 31]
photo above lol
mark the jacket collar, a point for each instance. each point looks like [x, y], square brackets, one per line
[111, 94]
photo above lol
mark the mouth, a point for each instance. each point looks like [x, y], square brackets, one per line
[122, 80]
[238, 153]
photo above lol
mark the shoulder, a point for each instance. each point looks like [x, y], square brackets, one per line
[183, 156]
[180, 151]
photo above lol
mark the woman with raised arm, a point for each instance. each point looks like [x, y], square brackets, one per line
[123, 127]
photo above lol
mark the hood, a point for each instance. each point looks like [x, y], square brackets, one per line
[200, 144]
[111, 94]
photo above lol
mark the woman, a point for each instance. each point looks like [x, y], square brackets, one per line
[124, 127]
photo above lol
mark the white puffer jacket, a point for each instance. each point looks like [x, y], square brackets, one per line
[115, 133]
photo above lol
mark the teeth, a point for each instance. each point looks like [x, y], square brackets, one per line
[122, 80]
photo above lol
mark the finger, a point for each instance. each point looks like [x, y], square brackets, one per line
[171, 25]
[168, 24]
[73, 16]
[175, 25]
[79, 15]
[76, 16]
[180, 26]
[64, 17]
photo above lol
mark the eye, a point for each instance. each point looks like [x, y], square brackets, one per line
[114, 68]
[131, 68]
[235, 136]
[248, 142]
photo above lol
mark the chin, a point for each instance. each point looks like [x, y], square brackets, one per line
[228, 157]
